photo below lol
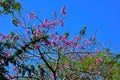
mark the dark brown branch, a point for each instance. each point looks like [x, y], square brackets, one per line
[57, 61]
[47, 64]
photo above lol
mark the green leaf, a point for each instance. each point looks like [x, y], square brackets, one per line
[66, 34]
[15, 21]
[16, 6]
[45, 37]
[82, 31]
[12, 34]
[32, 67]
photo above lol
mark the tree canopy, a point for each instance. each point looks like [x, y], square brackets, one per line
[9, 6]
[42, 53]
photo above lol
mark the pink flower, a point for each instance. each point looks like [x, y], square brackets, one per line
[67, 65]
[83, 47]
[82, 61]
[7, 53]
[63, 11]
[33, 37]
[31, 15]
[36, 46]
[90, 67]
[54, 38]
[93, 37]
[24, 38]
[41, 26]
[61, 22]
[14, 68]
[27, 31]
[58, 38]
[88, 42]
[57, 76]
[63, 38]
[78, 46]
[86, 55]
[37, 32]
[99, 60]
[69, 43]
[7, 76]
[59, 47]
[54, 14]
[53, 43]
[53, 23]
[98, 73]
[47, 42]
[32, 75]
[92, 55]
[0, 39]
[52, 35]
[19, 23]
[46, 22]
[4, 36]
[53, 76]
[77, 37]
[31, 47]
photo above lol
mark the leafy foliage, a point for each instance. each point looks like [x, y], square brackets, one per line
[9, 6]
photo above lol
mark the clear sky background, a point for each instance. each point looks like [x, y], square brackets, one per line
[103, 15]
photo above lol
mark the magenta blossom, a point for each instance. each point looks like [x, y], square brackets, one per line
[99, 60]
[53, 23]
[54, 14]
[27, 31]
[52, 35]
[47, 42]
[53, 43]
[61, 22]
[93, 37]
[31, 15]
[21, 24]
[4, 36]
[36, 46]
[14, 68]
[58, 38]
[69, 43]
[37, 32]
[90, 67]
[77, 38]
[78, 46]
[63, 11]
[63, 38]
[41, 26]
[46, 22]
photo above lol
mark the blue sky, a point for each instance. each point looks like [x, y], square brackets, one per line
[103, 15]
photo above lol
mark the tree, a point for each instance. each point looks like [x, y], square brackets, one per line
[9, 6]
[41, 53]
